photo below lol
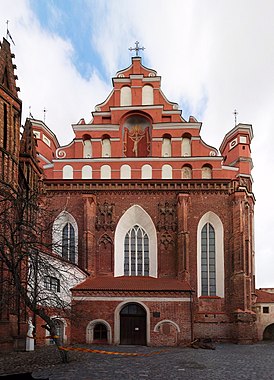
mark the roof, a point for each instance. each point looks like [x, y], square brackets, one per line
[142, 283]
[264, 297]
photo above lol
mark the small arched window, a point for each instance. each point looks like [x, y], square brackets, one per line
[166, 172]
[146, 171]
[106, 147]
[86, 172]
[147, 95]
[166, 146]
[125, 172]
[125, 96]
[136, 252]
[67, 172]
[206, 172]
[105, 172]
[186, 172]
[186, 145]
[68, 242]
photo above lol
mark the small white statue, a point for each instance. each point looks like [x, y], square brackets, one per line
[30, 339]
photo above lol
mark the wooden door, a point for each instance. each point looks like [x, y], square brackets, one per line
[133, 325]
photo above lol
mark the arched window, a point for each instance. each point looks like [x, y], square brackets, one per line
[125, 96]
[125, 172]
[67, 172]
[86, 172]
[206, 172]
[135, 244]
[166, 172]
[136, 252]
[210, 258]
[87, 151]
[146, 172]
[106, 147]
[68, 242]
[186, 146]
[147, 95]
[208, 261]
[186, 172]
[65, 237]
[105, 172]
[166, 146]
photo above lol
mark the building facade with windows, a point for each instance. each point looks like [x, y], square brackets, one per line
[161, 221]
[265, 313]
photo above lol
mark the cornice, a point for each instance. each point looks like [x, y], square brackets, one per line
[185, 186]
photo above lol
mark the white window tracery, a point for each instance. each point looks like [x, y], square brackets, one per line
[136, 252]
[135, 239]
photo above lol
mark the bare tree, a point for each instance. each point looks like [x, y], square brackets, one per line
[28, 264]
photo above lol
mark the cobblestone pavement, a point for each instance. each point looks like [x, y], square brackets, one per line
[228, 361]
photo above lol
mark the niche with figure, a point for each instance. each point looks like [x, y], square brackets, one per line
[136, 136]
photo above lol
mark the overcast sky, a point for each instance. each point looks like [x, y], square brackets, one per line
[213, 56]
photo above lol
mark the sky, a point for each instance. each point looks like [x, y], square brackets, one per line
[214, 56]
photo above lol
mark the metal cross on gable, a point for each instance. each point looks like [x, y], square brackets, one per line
[137, 48]
[235, 116]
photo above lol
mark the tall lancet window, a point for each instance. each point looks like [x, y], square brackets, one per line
[136, 252]
[68, 242]
[208, 261]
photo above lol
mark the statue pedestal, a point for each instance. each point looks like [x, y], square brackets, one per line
[29, 344]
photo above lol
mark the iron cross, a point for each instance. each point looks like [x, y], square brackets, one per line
[137, 48]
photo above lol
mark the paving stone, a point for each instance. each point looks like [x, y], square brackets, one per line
[228, 361]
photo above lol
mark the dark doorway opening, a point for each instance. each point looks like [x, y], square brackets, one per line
[100, 333]
[133, 325]
[269, 332]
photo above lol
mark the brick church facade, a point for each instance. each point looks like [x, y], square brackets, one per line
[159, 222]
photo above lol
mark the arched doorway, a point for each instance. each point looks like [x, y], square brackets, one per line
[133, 325]
[60, 330]
[269, 332]
[100, 333]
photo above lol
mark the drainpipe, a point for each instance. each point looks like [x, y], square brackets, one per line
[191, 317]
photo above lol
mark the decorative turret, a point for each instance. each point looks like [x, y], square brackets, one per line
[235, 148]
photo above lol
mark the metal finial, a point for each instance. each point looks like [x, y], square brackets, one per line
[7, 22]
[8, 33]
[30, 114]
[45, 115]
[235, 116]
[137, 48]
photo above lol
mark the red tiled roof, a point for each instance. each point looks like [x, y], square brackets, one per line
[264, 297]
[133, 283]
